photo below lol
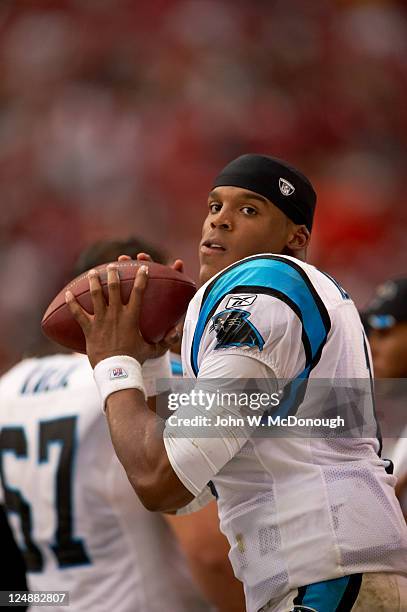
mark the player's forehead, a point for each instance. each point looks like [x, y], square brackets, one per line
[229, 192]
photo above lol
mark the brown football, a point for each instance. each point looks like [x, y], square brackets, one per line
[165, 300]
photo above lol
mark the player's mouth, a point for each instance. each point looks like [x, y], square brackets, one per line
[212, 247]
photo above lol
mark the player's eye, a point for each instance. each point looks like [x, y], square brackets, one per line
[215, 207]
[249, 210]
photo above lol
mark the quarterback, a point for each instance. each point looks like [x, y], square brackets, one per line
[313, 523]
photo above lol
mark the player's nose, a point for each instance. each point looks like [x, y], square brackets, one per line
[221, 221]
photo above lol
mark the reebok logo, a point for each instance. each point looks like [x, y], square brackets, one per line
[240, 300]
[285, 187]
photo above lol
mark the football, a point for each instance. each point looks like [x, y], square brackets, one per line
[165, 300]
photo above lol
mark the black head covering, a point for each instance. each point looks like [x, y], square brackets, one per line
[283, 185]
[389, 305]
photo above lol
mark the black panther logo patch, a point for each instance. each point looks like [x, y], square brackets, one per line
[233, 328]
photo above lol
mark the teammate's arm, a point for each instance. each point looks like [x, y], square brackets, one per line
[206, 550]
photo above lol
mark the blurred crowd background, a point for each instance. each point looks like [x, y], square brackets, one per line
[117, 114]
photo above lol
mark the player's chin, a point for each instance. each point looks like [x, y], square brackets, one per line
[209, 267]
[215, 262]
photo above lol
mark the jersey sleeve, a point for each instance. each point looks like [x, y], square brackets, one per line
[265, 307]
[266, 330]
[195, 459]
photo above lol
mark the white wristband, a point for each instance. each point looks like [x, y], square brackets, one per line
[118, 373]
[154, 370]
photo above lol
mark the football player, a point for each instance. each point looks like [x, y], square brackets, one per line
[313, 522]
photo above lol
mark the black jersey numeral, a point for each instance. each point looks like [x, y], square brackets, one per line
[68, 550]
[13, 439]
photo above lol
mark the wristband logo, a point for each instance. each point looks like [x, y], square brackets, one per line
[118, 373]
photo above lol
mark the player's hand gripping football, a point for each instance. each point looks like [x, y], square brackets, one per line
[113, 329]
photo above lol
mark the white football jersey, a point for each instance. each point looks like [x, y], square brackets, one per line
[73, 512]
[295, 509]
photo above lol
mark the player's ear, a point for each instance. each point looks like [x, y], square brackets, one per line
[298, 238]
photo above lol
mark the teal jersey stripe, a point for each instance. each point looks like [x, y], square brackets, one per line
[270, 273]
[325, 596]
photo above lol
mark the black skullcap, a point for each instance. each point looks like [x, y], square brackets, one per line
[283, 185]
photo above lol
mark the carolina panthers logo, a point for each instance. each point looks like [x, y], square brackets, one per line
[233, 328]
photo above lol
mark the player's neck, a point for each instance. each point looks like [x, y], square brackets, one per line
[301, 254]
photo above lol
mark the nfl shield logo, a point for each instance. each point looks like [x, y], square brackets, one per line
[285, 187]
[118, 373]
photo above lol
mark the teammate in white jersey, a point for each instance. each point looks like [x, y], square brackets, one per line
[80, 525]
[313, 523]
[71, 506]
